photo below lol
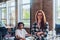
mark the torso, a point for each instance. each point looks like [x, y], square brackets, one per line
[38, 27]
[21, 33]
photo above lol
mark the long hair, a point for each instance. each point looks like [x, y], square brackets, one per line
[43, 20]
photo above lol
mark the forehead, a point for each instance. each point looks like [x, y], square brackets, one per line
[39, 13]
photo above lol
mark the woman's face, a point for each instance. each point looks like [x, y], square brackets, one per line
[21, 26]
[39, 16]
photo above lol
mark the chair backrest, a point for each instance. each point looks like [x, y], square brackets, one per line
[3, 30]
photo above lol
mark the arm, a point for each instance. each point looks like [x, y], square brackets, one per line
[26, 33]
[17, 37]
[34, 31]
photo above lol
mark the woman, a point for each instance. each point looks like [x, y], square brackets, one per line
[39, 26]
[21, 32]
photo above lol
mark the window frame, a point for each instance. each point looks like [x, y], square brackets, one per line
[5, 5]
[20, 7]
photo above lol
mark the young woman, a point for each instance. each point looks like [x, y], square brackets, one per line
[39, 26]
[21, 32]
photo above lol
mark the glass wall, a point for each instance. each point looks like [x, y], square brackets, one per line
[7, 11]
[57, 12]
[24, 7]
[8, 15]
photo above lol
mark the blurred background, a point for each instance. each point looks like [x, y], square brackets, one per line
[14, 11]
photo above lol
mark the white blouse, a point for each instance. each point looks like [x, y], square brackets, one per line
[21, 33]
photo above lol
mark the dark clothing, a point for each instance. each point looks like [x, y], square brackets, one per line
[36, 29]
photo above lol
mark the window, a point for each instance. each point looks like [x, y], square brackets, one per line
[3, 12]
[7, 10]
[25, 12]
[4, 17]
[57, 11]
[11, 12]
[11, 16]
[25, 1]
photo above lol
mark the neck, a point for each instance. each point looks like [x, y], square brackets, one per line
[39, 21]
[20, 29]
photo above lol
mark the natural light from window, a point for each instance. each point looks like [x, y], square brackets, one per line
[57, 12]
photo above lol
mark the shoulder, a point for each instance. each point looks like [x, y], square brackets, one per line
[17, 30]
[23, 29]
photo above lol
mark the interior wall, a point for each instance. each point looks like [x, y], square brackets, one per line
[35, 5]
[48, 9]
[46, 6]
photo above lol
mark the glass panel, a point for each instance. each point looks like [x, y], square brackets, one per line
[0, 14]
[57, 12]
[12, 16]
[26, 22]
[26, 11]
[25, 1]
[11, 3]
[4, 4]
[8, 12]
[4, 13]
[0, 4]
[59, 9]
[4, 21]
[26, 15]
[12, 13]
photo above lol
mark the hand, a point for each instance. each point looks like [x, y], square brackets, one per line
[29, 35]
[23, 39]
[39, 33]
